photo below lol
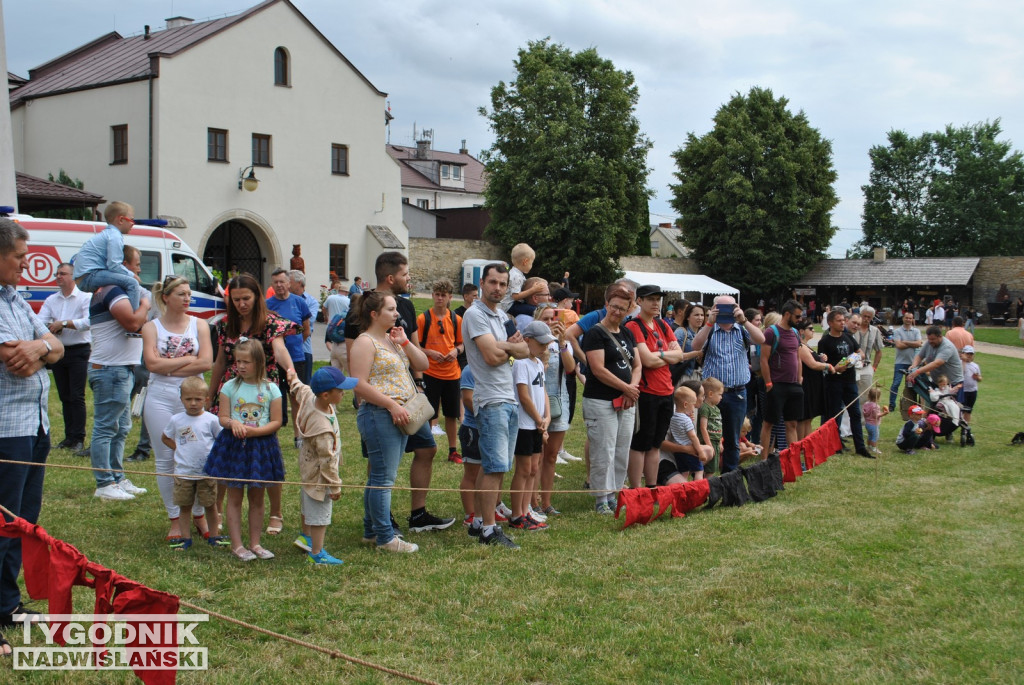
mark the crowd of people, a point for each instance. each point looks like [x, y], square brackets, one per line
[667, 396]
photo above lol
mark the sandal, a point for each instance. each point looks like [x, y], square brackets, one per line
[244, 554]
[219, 541]
[274, 529]
[5, 643]
[261, 552]
[179, 544]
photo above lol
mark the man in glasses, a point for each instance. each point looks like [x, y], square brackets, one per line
[99, 262]
[440, 336]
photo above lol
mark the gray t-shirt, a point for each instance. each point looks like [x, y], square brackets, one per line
[906, 356]
[951, 368]
[493, 383]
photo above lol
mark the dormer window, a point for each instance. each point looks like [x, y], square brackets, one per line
[282, 76]
[445, 170]
[456, 172]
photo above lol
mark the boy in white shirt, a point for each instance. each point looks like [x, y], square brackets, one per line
[534, 418]
[191, 434]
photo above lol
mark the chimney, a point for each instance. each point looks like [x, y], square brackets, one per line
[423, 149]
[178, 22]
[463, 150]
[879, 255]
[146, 32]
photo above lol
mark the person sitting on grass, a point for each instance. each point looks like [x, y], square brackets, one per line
[316, 421]
[918, 432]
[191, 434]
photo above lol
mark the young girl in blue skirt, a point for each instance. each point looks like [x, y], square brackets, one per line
[250, 411]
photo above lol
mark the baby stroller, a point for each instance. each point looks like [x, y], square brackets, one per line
[945, 405]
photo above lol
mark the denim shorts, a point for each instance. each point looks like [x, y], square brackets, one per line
[421, 439]
[499, 427]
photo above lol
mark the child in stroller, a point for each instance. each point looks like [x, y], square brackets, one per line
[941, 398]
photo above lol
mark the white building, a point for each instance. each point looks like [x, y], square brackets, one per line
[433, 179]
[665, 241]
[172, 120]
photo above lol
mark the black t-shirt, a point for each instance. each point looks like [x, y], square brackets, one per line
[616, 360]
[835, 349]
[406, 319]
[460, 311]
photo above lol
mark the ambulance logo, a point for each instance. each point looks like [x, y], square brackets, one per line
[42, 266]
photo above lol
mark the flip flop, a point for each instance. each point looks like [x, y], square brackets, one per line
[275, 529]
[219, 541]
[179, 544]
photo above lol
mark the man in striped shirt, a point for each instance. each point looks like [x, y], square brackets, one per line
[725, 358]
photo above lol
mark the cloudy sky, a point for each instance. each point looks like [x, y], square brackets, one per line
[856, 69]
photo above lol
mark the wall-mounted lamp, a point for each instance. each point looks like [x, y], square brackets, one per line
[249, 182]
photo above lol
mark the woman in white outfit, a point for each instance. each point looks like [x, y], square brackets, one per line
[174, 346]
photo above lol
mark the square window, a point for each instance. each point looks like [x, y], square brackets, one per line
[423, 204]
[339, 159]
[260, 149]
[119, 136]
[216, 145]
[445, 171]
[456, 172]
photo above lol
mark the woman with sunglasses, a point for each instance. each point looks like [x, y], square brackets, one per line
[248, 317]
[609, 397]
[174, 346]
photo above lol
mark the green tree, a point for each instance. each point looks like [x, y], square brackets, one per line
[83, 214]
[954, 192]
[567, 172]
[755, 194]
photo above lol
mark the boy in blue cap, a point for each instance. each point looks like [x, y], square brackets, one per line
[316, 422]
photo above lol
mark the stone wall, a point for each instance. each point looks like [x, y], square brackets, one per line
[664, 265]
[434, 258]
[994, 271]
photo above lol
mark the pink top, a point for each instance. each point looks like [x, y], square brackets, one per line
[872, 413]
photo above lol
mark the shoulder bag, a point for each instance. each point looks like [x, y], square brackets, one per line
[419, 407]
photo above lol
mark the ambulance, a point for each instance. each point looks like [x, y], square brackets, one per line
[52, 241]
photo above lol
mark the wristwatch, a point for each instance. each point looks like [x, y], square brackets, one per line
[49, 348]
[65, 324]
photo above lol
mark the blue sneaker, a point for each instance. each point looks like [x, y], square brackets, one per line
[303, 542]
[323, 559]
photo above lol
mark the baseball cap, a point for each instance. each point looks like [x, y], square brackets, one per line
[915, 410]
[935, 422]
[968, 349]
[539, 331]
[648, 291]
[328, 378]
[559, 294]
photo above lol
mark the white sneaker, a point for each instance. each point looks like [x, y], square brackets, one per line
[539, 515]
[559, 459]
[398, 545]
[503, 510]
[436, 430]
[112, 492]
[568, 457]
[129, 487]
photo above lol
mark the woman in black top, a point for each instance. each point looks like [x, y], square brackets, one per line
[609, 397]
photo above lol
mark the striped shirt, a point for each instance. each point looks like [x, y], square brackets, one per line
[24, 399]
[726, 357]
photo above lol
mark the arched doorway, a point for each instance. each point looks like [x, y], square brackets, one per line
[233, 247]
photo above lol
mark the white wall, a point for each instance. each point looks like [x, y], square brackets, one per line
[228, 82]
[8, 188]
[443, 200]
[72, 131]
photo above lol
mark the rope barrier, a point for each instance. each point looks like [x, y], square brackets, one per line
[333, 653]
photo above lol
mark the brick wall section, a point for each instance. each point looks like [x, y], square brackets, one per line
[994, 271]
[434, 258]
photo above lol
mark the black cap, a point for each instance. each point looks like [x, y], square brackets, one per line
[559, 294]
[648, 291]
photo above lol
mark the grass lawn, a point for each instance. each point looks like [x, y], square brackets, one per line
[904, 569]
[999, 336]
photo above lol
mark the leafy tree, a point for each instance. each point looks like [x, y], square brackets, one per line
[567, 172]
[755, 194]
[954, 192]
[83, 214]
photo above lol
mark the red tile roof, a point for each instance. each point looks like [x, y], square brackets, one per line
[38, 193]
[472, 169]
[113, 59]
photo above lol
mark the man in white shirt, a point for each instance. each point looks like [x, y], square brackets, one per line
[66, 314]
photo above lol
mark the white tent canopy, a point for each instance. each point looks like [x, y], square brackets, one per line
[683, 283]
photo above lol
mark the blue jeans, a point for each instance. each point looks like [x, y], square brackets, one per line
[734, 409]
[141, 379]
[94, 280]
[499, 427]
[898, 374]
[111, 395]
[384, 443]
[21, 491]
